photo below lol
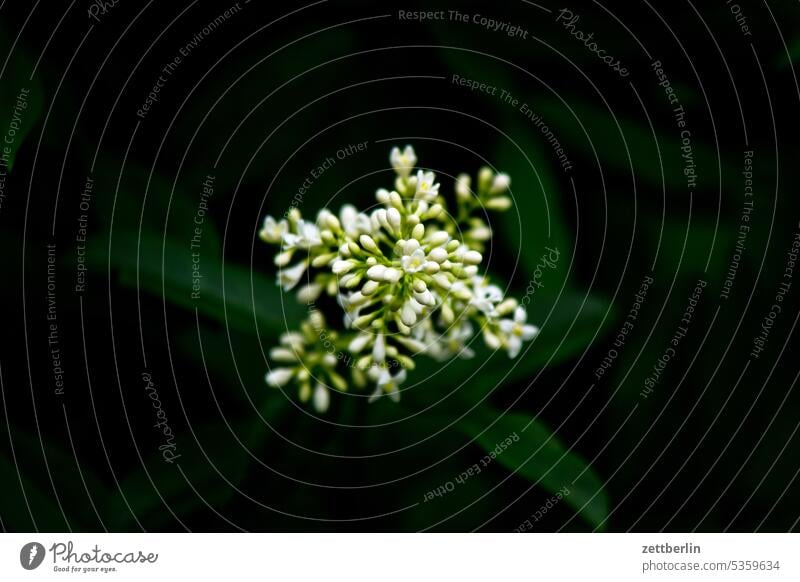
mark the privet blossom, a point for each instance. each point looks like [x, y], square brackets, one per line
[407, 277]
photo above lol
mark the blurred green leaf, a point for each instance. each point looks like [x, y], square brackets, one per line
[537, 205]
[541, 458]
[174, 205]
[793, 56]
[214, 300]
[16, 82]
[76, 483]
[15, 503]
[614, 144]
[211, 460]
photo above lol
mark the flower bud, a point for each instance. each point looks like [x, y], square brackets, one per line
[369, 243]
[472, 258]
[501, 203]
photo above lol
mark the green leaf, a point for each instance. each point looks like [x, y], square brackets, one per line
[536, 212]
[20, 98]
[541, 458]
[230, 304]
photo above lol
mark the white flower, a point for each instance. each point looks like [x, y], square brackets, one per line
[387, 384]
[486, 296]
[403, 162]
[279, 377]
[517, 331]
[291, 276]
[414, 261]
[426, 189]
[406, 275]
[457, 338]
[353, 222]
[306, 237]
[273, 231]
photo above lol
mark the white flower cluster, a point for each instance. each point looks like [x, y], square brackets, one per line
[406, 276]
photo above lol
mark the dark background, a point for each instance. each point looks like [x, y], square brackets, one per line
[275, 90]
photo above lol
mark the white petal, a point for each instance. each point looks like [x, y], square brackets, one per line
[359, 342]
[529, 332]
[376, 272]
[426, 298]
[438, 238]
[472, 257]
[392, 275]
[491, 340]
[290, 277]
[411, 343]
[393, 217]
[408, 315]
[376, 393]
[411, 245]
[279, 377]
[340, 267]
[347, 216]
[514, 346]
[309, 293]
[506, 326]
[322, 398]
